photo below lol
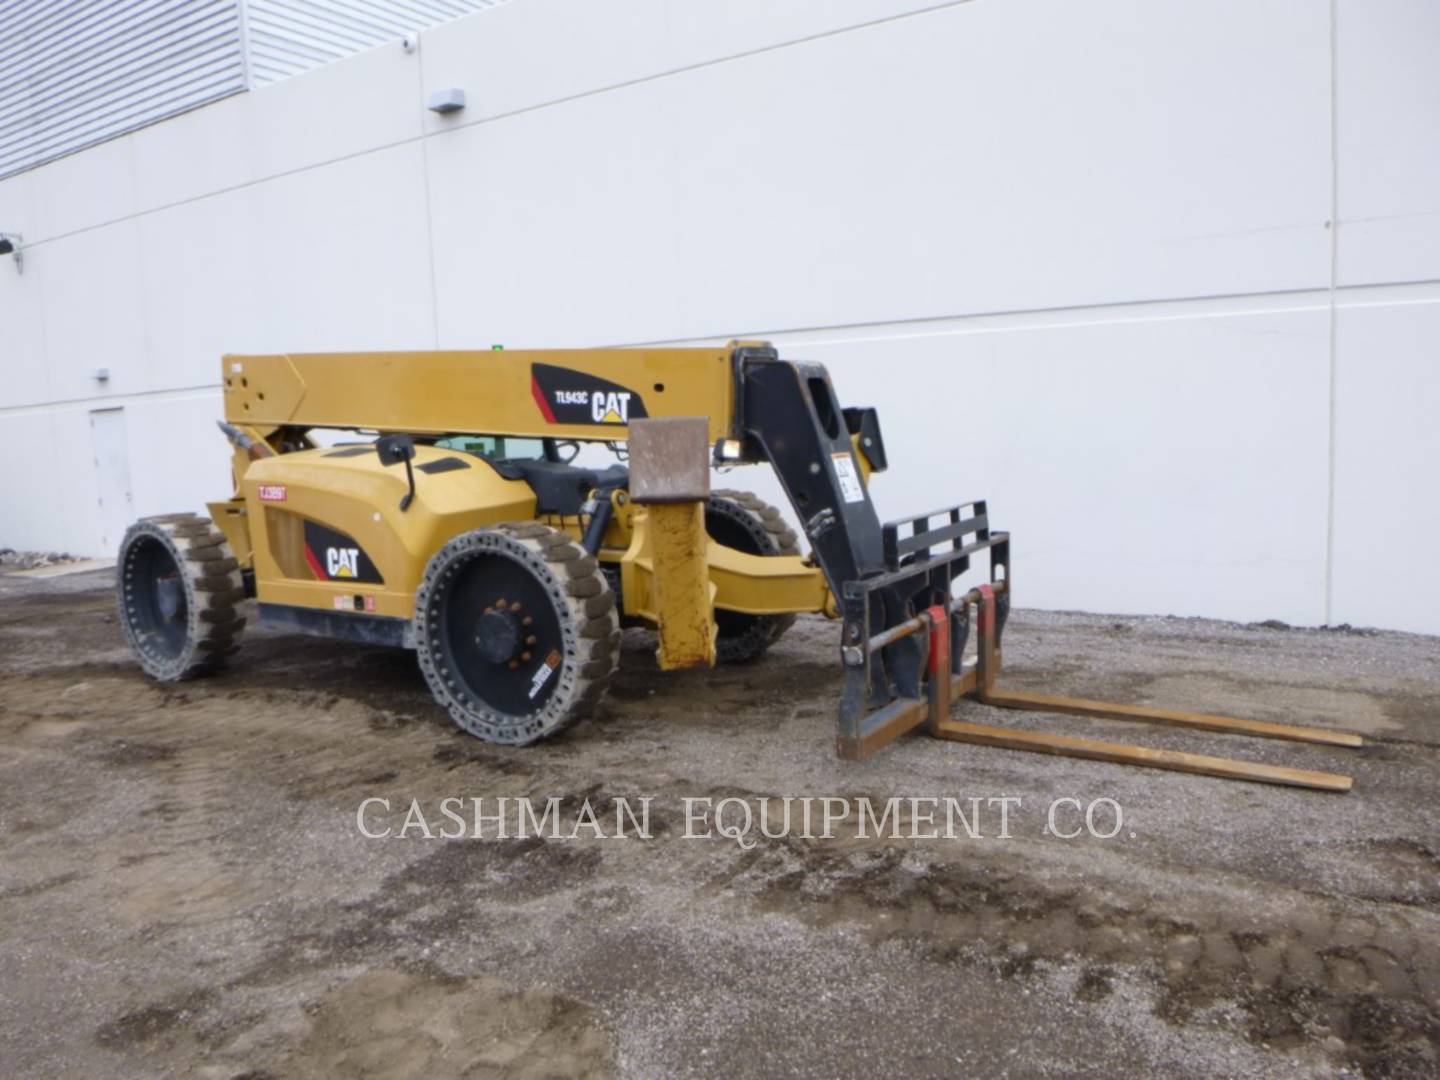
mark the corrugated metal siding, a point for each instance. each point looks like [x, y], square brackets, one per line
[77, 72]
[74, 74]
[286, 37]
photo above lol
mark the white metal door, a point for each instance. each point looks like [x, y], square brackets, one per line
[112, 469]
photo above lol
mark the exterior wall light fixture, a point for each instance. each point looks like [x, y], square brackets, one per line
[449, 100]
[10, 245]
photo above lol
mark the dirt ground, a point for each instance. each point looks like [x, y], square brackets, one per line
[184, 890]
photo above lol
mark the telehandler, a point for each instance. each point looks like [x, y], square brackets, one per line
[466, 530]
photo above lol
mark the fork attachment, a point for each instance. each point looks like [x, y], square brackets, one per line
[870, 720]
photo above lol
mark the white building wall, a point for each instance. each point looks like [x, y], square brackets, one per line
[1387, 316]
[1081, 255]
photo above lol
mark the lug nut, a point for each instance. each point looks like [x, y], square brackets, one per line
[527, 621]
[524, 656]
[531, 640]
[514, 664]
[515, 606]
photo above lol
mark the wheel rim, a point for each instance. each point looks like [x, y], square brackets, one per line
[499, 630]
[156, 605]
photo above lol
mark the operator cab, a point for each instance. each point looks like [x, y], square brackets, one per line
[544, 464]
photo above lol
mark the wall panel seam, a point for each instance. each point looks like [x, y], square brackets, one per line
[1328, 597]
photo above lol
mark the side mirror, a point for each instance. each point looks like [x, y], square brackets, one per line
[396, 450]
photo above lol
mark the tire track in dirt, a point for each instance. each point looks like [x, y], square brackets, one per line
[1365, 976]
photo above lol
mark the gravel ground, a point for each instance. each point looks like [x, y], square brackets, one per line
[11, 560]
[184, 890]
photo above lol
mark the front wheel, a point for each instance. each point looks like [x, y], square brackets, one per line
[516, 631]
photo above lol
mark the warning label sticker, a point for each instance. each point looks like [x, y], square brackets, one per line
[543, 673]
[850, 487]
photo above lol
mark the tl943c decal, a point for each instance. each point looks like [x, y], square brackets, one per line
[573, 397]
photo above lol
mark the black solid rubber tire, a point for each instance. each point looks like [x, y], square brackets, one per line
[208, 575]
[741, 638]
[584, 606]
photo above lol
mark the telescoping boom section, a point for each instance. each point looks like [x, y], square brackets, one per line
[899, 589]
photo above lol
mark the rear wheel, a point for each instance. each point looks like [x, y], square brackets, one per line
[516, 631]
[747, 523]
[178, 585]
